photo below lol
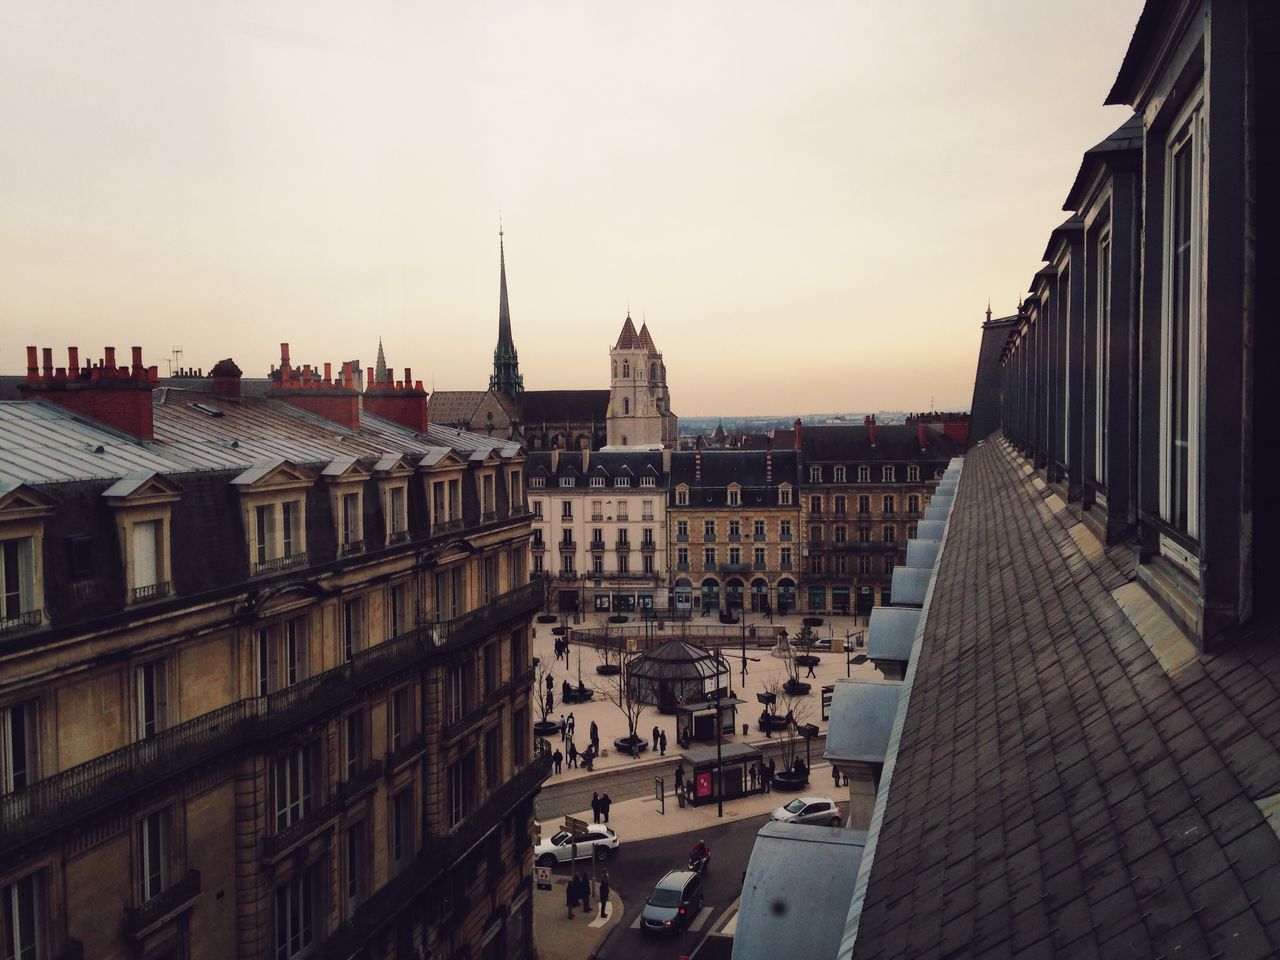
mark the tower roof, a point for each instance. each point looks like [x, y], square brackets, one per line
[380, 369]
[628, 339]
[646, 341]
[504, 309]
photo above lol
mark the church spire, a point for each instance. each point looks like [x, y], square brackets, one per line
[506, 364]
[380, 369]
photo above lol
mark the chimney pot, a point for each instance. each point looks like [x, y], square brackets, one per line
[73, 361]
[47, 362]
[369, 380]
[109, 361]
[284, 355]
[33, 363]
[137, 358]
[328, 372]
[408, 376]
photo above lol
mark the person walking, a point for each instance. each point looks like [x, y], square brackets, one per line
[557, 758]
[835, 774]
[551, 701]
[679, 777]
[571, 895]
[571, 723]
[563, 728]
[573, 754]
[773, 767]
[604, 892]
[550, 684]
[655, 736]
[605, 803]
[584, 886]
[595, 806]
[595, 735]
[662, 744]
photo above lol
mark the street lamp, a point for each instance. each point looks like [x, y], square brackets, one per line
[808, 731]
[714, 697]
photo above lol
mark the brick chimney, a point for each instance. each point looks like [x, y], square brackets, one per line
[666, 458]
[697, 463]
[226, 378]
[335, 400]
[768, 464]
[555, 458]
[798, 429]
[870, 421]
[119, 397]
[404, 403]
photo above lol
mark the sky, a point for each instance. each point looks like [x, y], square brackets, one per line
[810, 203]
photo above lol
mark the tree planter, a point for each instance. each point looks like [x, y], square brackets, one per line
[808, 660]
[618, 618]
[548, 618]
[557, 631]
[796, 688]
[772, 722]
[813, 621]
[608, 669]
[789, 782]
[545, 728]
[631, 745]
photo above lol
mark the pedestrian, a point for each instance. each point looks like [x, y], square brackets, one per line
[595, 806]
[573, 754]
[550, 701]
[595, 735]
[557, 758]
[550, 685]
[571, 724]
[751, 776]
[563, 728]
[584, 886]
[679, 777]
[604, 892]
[769, 779]
[662, 744]
[605, 803]
[655, 736]
[571, 895]
[589, 755]
[810, 665]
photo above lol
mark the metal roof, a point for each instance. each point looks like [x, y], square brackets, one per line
[892, 633]
[790, 906]
[728, 751]
[862, 713]
[922, 553]
[910, 584]
[930, 529]
[937, 511]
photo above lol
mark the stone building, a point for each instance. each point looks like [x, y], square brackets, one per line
[733, 530]
[265, 671]
[599, 528]
[864, 490]
[639, 402]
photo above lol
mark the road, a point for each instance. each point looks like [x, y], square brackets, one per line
[571, 796]
[635, 868]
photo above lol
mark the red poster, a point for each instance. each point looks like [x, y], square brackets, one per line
[704, 784]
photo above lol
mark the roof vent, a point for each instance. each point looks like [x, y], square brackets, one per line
[233, 444]
[95, 448]
[207, 410]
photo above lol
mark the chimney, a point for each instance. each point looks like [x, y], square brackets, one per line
[870, 421]
[920, 431]
[555, 459]
[403, 403]
[666, 458]
[799, 432]
[586, 459]
[697, 464]
[956, 426]
[118, 398]
[768, 465]
[226, 379]
[319, 396]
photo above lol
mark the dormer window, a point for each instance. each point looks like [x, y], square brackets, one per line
[913, 474]
[735, 496]
[566, 482]
[597, 481]
[682, 496]
[275, 515]
[622, 481]
[886, 474]
[784, 495]
[648, 481]
[142, 504]
[19, 604]
[537, 483]
[393, 475]
[397, 514]
[864, 474]
[839, 474]
[815, 474]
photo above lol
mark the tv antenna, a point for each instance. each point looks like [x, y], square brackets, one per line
[175, 360]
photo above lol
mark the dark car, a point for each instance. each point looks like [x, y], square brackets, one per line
[675, 901]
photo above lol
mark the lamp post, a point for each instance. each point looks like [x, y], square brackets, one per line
[714, 697]
[808, 731]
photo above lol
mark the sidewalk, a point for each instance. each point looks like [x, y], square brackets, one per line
[559, 938]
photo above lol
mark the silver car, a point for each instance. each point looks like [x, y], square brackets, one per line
[819, 810]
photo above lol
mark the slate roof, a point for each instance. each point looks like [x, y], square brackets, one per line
[627, 339]
[1056, 791]
[988, 385]
[746, 468]
[453, 407]
[895, 443]
[636, 464]
[1126, 138]
[564, 406]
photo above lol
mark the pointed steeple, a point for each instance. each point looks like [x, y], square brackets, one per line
[988, 310]
[628, 339]
[646, 341]
[506, 364]
[380, 368]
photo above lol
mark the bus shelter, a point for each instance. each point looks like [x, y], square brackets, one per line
[697, 721]
[736, 760]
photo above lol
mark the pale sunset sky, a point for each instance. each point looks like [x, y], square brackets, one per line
[810, 202]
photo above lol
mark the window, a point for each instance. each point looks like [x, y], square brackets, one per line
[888, 564]
[708, 529]
[709, 557]
[913, 474]
[461, 785]
[784, 557]
[646, 510]
[911, 531]
[1182, 320]
[842, 534]
[153, 699]
[538, 567]
[682, 497]
[597, 509]
[626, 368]
[815, 474]
[597, 481]
[295, 650]
[784, 495]
[293, 782]
[491, 671]
[1102, 337]
[349, 538]
[913, 503]
[18, 747]
[624, 563]
[815, 565]
[735, 530]
[864, 534]
[623, 510]
[146, 560]
[597, 538]
[815, 535]
[647, 564]
[682, 558]
[682, 529]
[864, 505]
[401, 830]
[22, 913]
[626, 401]
[152, 844]
[839, 474]
[353, 749]
[537, 509]
[889, 535]
[265, 532]
[757, 529]
[537, 483]
[277, 534]
[357, 864]
[295, 903]
[648, 481]
[622, 481]
[735, 497]
[399, 609]
[886, 474]
[566, 509]
[399, 518]
[646, 537]
[735, 555]
[566, 481]
[864, 474]
[493, 758]
[597, 565]
[864, 564]
[352, 627]
[759, 558]
[400, 716]
[815, 504]
[784, 529]
[888, 505]
[839, 506]
[566, 565]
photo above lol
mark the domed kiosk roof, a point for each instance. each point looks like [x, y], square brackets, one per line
[677, 660]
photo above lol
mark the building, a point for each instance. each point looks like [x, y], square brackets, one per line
[639, 402]
[1084, 756]
[732, 530]
[600, 528]
[864, 489]
[265, 671]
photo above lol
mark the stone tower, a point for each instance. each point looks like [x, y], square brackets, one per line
[506, 364]
[639, 402]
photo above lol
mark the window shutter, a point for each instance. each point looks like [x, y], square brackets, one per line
[144, 554]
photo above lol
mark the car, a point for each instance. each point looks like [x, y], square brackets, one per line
[819, 810]
[676, 899]
[598, 841]
[822, 643]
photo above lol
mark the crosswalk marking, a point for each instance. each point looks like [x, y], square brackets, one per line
[703, 916]
[600, 921]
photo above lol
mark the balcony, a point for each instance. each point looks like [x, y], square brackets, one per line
[735, 538]
[315, 821]
[648, 546]
[623, 546]
[446, 526]
[758, 566]
[150, 591]
[597, 546]
[398, 536]
[277, 564]
[784, 537]
[682, 538]
[758, 537]
[351, 547]
[785, 565]
[646, 518]
[735, 567]
[410, 749]
[31, 618]
[474, 716]
[50, 804]
[709, 538]
[682, 565]
[597, 517]
[568, 545]
[489, 516]
[164, 906]
[539, 546]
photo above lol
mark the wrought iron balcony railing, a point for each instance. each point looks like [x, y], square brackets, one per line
[29, 618]
[176, 898]
[276, 564]
[150, 591]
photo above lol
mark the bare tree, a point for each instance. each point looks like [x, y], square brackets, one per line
[541, 673]
[610, 652]
[795, 711]
[792, 663]
[616, 689]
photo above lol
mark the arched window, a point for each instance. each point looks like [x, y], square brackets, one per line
[615, 368]
[626, 369]
[624, 441]
[626, 405]
[653, 371]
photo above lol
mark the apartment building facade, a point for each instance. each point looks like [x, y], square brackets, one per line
[265, 671]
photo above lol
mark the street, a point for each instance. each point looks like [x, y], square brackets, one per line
[638, 866]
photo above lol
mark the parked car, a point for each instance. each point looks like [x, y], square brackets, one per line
[819, 810]
[598, 841]
[822, 643]
[676, 899]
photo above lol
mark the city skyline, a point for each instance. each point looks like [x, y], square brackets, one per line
[782, 195]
